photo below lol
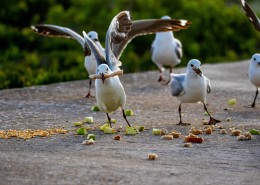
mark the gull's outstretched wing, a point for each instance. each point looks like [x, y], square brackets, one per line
[57, 31]
[145, 27]
[252, 17]
[94, 49]
[177, 88]
[117, 31]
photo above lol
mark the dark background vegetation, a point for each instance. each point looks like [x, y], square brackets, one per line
[220, 32]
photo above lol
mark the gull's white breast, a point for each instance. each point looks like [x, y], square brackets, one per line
[194, 90]
[254, 74]
[110, 95]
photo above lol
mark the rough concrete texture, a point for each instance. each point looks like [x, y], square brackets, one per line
[61, 159]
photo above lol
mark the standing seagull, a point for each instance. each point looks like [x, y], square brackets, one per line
[166, 50]
[191, 87]
[58, 31]
[252, 17]
[254, 74]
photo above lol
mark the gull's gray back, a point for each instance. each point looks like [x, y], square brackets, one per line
[177, 84]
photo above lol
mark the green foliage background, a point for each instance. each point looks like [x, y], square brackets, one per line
[220, 32]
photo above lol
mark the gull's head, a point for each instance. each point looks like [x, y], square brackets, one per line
[166, 17]
[194, 66]
[102, 70]
[255, 60]
[93, 36]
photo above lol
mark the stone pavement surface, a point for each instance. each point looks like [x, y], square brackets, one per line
[61, 159]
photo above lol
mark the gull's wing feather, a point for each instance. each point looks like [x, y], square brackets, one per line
[177, 88]
[252, 17]
[94, 49]
[57, 31]
[208, 85]
[117, 31]
[148, 26]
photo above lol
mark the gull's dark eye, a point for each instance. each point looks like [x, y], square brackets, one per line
[191, 65]
[107, 69]
[254, 59]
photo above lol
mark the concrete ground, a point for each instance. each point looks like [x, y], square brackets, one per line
[61, 159]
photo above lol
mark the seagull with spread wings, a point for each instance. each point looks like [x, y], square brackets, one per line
[119, 41]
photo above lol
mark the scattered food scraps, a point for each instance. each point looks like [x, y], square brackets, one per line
[167, 137]
[152, 156]
[28, 133]
[193, 138]
[188, 145]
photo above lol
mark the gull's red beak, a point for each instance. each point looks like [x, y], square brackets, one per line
[198, 71]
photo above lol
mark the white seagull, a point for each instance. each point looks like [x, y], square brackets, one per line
[110, 92]
[59, 31]
[166, 51]
[191, 87]
[119, 40]
[254, 74]
[252, 17]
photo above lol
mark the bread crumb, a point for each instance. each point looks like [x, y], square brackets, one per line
[167, 137]
[117, 137]
[223, 131]
[175, 134]
[220, 127]
[188, 145]
[195, 131]
[235, 132]
[245, 136]
[152, 156]
[88, 142]
[208, 131]
[193, 138]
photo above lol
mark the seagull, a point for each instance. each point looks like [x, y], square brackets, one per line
[119, 37]
[166, 51]
[191, 87]
[254, 74]
[252, 17]
[110, 93]
[59, 31]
